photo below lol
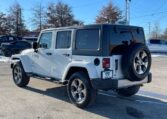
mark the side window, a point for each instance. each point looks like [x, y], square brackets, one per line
[63, 39]
[87, 39]
[45, 40]
[18, 43]
[11, 38]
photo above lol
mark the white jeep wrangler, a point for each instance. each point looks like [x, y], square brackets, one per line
[87, 59]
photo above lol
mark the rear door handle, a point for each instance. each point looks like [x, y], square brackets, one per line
[67, 55]
[48, 53]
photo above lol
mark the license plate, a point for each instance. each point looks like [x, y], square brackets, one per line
[107, 74]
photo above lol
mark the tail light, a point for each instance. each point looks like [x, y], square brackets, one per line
[106, 62]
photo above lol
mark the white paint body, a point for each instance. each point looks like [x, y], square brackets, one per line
[58, 65]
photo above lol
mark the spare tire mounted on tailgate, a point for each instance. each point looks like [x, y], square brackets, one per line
[136, 62]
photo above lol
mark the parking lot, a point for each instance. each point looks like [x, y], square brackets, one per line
[45, 100]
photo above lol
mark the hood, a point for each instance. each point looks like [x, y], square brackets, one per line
[27, 51]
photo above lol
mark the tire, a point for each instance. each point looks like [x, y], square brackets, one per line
[19, 76]
[127, 92]
[80, 90]
[136, 62]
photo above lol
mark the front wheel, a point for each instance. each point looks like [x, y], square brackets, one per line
[80, 90]
[19, 76]
[127, 92]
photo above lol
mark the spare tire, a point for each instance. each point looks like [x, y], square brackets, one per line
[136, 62]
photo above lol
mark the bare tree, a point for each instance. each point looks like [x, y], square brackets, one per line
[60, 15]
[164, 35]
[156, 31]
[4, 29]
[15, 19]
[109, 14]
[39, 17]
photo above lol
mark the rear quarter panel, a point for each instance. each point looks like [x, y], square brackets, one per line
[94, 72]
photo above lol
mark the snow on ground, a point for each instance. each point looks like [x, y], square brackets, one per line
[4, 59]
[158, 55]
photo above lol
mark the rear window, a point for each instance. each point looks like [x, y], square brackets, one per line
[126, 36]
[120, 37]
[87, 39]
[11, 38]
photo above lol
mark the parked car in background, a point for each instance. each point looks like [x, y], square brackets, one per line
[8, 39]
[32, 39]
[157, 45]
[15, 47]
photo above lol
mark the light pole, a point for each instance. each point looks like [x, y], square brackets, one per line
[127, 13]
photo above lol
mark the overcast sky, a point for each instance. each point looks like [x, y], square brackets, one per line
[143, 12]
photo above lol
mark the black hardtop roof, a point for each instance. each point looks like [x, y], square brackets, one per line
[92, 26]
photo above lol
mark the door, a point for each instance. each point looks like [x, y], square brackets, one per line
[42, 59]
[62, 53]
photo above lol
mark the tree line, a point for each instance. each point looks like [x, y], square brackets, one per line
[55, 15]
[59, 15]
[156, 32]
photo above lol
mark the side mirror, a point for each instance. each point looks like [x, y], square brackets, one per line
[35, 46]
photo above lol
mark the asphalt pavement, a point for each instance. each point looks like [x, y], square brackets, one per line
[45, 100]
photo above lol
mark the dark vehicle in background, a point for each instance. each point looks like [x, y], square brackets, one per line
[31, 39]
[8, 39]
[157, 45]
[8, 49]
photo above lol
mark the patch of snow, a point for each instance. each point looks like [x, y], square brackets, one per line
[158, 55]
[4, 59]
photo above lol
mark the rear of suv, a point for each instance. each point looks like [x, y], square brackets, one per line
[87, 59]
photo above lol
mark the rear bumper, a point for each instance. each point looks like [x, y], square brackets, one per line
[116, 84]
